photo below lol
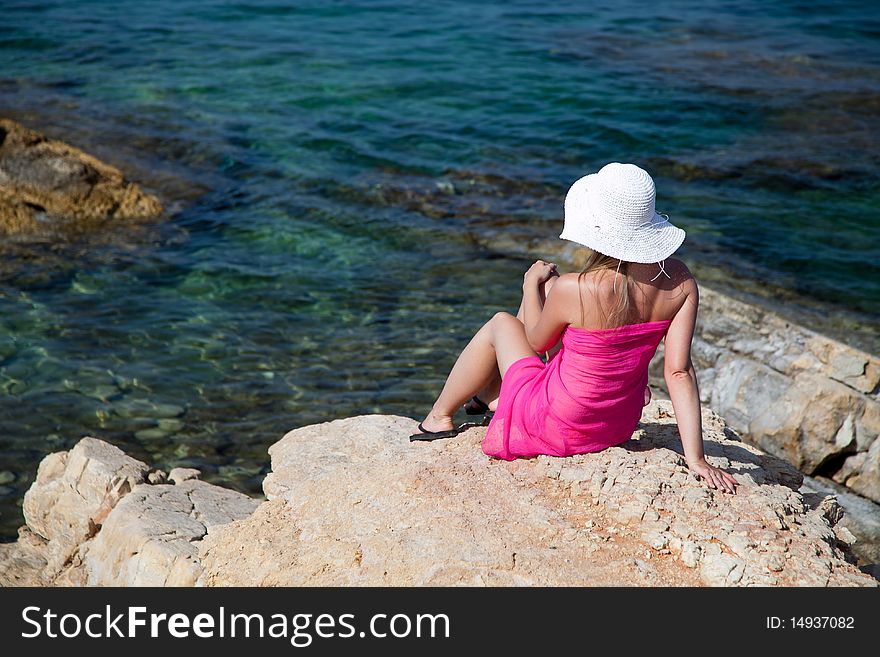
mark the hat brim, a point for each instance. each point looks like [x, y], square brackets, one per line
[650, 243]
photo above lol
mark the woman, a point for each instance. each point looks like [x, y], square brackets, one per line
[600, 328]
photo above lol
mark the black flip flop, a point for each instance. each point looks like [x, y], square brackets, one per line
[438, 435]
[481, 406]
[482, 409]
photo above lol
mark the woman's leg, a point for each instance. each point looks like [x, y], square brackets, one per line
[500, 342]
[489, 393]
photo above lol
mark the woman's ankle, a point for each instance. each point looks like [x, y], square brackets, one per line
[436, 421]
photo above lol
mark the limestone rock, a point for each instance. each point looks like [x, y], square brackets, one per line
[46, 183]
[73, 494]
[352, 502]
[151, 537]
[690, 554]
[867, 480]
[92, 519]
[157, 477]
[180, 475]
[721, 570]
[860, 517]
[23, 562]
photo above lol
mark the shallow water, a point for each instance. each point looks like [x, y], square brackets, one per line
[354, 188]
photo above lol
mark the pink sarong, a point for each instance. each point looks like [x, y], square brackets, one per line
[587, 397]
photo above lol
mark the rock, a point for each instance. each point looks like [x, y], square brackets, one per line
[137, 407]
[761, 403]
[23, 562]
[151, 538]
[845, 364]
[170, 425]
[352, 502]
[6, 477]
[721, 570]
[852, 466]
[168, 411]
[657, 540]
[180, 475]
[744, 389]
[154, 433]
[774, 561]
[157, 477]
[846, 434]
[46, 183]
[690, 554]
[867, 480]
[739, 544]
[92, 520]
[73, 494]
[844, 535]
[868, 427]
[861, 517]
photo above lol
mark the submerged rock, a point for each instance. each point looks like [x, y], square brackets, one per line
[48, 186]
[353, 502]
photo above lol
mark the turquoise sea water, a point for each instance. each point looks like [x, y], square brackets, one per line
[353, 188]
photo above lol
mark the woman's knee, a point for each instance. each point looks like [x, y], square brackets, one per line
[501, 315]
[503, 320]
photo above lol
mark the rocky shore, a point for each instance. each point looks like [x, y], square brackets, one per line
[352, 502]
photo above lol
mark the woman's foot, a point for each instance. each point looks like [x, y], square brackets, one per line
[434, 422]
[647, 395]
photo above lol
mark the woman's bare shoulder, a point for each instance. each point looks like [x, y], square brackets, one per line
[568, 279]
[569, 283]
[680, 273]
[675, 265]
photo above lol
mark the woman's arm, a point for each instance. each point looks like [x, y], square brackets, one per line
[544, 321]
[681, 381]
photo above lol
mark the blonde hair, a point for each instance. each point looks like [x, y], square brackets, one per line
[620, 311]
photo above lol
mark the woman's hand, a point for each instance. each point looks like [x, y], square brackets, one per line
[540, 272]
[714, 477]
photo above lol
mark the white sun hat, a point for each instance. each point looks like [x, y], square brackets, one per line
[613, 212]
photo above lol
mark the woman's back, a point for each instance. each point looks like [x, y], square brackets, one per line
[609, 307]
[649, 300]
